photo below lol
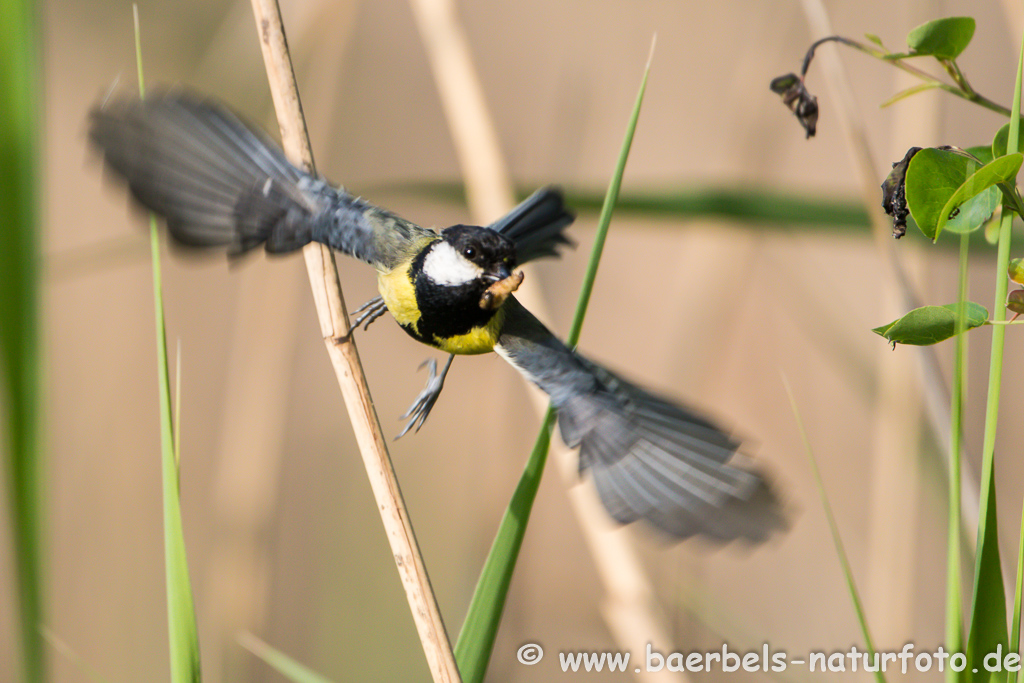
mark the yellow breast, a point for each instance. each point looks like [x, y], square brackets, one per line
[397, 290]
[478, 340]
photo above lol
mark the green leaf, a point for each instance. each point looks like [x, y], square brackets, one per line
[942, 38]
[961, 215]
[1016, 271]
[21, 442]
[903, 94]
[874, 39]
[1002, 135]
[933, 177]
[988, 616]
[983, 153]
[931, 324]
[1018, 595]
[476, 639]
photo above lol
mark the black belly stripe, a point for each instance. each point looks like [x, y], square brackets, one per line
[449, 310]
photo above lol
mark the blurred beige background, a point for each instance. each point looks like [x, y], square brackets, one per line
[280, 524]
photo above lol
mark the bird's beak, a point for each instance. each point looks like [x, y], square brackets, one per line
[495, 295]
[501, 272]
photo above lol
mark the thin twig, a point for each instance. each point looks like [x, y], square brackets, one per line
[962, 89]
[330, 305]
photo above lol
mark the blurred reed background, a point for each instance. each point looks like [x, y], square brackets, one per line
[279, 521]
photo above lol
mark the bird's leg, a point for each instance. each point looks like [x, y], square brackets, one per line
[368, 312]
[420, 408]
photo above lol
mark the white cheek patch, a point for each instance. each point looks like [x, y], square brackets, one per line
[445, 266]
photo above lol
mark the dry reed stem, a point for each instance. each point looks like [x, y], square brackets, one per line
[936, 391]
[250, 455]
[630, 606]
[489, 191]
[330, 306]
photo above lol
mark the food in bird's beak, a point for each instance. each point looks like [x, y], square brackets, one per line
[496, 294]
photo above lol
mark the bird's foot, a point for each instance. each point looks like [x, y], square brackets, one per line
[420, 408]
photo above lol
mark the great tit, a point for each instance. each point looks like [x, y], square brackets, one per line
[221, 183]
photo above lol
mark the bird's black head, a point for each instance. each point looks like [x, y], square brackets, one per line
[488, 254]
[468, 259]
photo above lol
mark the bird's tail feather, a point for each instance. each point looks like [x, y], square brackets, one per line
[536, 226]
[217, 181]
[649, 458]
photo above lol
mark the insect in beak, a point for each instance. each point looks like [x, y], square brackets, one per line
[495, 295]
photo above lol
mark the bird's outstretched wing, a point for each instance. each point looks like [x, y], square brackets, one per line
[221, 182]
[650, 459]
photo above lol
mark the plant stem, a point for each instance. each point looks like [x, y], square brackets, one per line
[334, 326]
[988, 623]
[954, 595]
[837, 539]
[999, 315]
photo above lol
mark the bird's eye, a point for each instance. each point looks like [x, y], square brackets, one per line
[469, 252]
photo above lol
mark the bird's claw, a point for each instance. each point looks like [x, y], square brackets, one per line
[368, 312]
[421, 407]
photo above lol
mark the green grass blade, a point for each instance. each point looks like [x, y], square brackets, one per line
[988, 606]
[476, 639]
[20, 363]
[1018, 589]
[954, 594]
[181, 618]
[605, 219]
[177, 402]
[282, 663]
[836, 538]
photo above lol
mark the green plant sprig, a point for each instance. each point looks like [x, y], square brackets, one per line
[960, 88]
